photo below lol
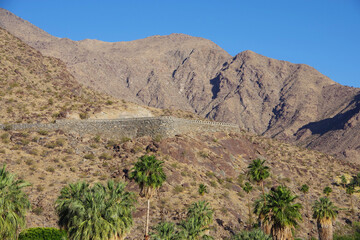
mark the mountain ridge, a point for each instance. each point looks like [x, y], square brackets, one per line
[270, 97]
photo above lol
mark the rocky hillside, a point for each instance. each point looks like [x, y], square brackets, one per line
[51, 160]
[38, 88]
[34, 88]
[271, 97]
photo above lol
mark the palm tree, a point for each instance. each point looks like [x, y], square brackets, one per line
[355, 181]
[350, 190]
[327, 190]
[202, 189]
[165, 231]
[149, 175]
[202, 211]
[343, 181]
[305, 189]
[14, 204]
[258, 172]
[199, 217]
[282, 212]
[193, 229]
[100, 212]
[259, 210]
[247, 188]
[324, 212]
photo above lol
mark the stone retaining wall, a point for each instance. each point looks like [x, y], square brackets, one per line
[130, 127]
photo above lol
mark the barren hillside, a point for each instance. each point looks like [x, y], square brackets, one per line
[270, 97]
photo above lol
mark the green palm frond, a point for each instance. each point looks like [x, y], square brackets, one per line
[281, 210]
[149, 174]
[13, 204]
[257, 171]
[98, 212]
[304, 188]
[324, 209]
[201, 210]
[165, 231]
[247, 187]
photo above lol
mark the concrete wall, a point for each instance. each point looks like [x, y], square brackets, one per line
[130, 127]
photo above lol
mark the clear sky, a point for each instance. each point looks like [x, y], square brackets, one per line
[324, 34]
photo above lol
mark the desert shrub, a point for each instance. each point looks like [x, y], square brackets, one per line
[97, 138]
[7, 127]
[29, 162]
[111, 143]
[109, 102]
[43, 132]
[178, 189]
[50, 169]
[255, 234]
[210, 174]
[43, 234]
[203, 154]
[5, 138]
[105, 156]
[34, 152]
[60, 142]
[51, 101]
[51, 145]
[89, 156]
[213, 184]
[25, 141]
[84, 115]
[157, 138]
[38, 210]
[40, 188]
[125, 139]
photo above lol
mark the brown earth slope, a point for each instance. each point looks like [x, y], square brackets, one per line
[271, 97]
[51, 160]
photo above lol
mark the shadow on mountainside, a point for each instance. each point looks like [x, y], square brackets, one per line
[215, 82]
[336, 123]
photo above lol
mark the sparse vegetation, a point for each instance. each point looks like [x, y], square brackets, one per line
[202, 189]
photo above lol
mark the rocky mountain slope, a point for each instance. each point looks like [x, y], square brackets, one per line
[49, 160]
[271, 97]
[34, 88]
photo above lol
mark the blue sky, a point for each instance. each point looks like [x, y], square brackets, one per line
[324, 34]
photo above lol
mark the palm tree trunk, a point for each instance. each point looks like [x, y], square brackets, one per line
[281, 233]
[147, 220]
[250, 217]
[307, 206]
[266, 227]
[263, 191]
[325, 229]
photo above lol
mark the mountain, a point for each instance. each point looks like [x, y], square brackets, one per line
[267, 96]
[159, 71]
[35, 88]
[50, 160]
